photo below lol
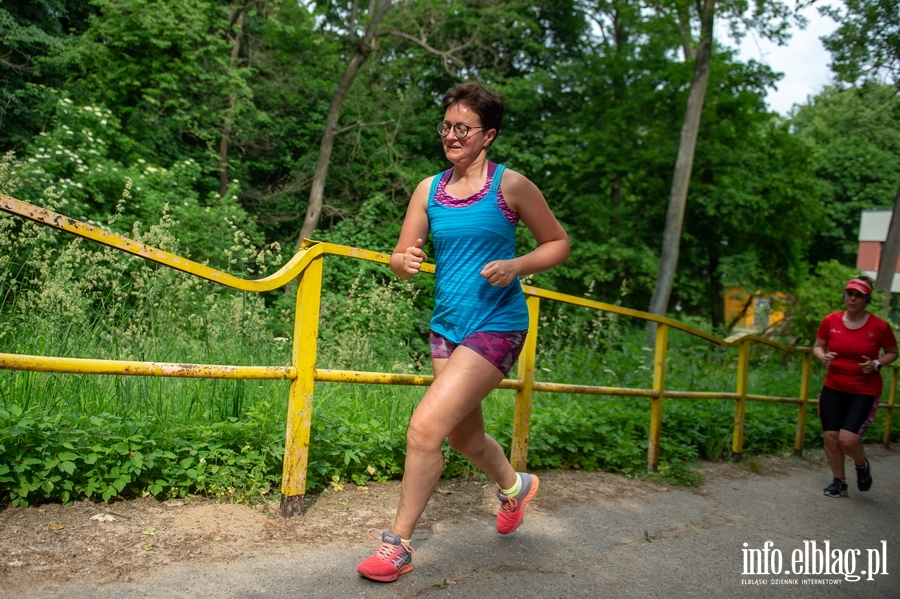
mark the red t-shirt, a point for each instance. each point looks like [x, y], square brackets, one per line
[850, 345]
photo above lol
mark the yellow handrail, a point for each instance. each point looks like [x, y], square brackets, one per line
[309, 251]
[307, 265]
[131, 368]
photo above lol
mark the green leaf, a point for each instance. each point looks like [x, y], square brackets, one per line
[137, 459]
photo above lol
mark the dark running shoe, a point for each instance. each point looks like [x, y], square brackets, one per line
[392, 558]
[836, 489]
[864, 477]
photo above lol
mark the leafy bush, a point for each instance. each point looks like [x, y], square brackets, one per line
[81, 164]
[343, 450]
[53, 457]
[820, 295]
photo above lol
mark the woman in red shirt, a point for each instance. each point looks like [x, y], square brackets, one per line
[848, 344]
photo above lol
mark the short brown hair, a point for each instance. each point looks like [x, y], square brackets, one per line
[867, 280]
[485, 102]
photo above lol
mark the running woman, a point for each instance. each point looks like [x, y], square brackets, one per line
[848, 344]
[480, 317]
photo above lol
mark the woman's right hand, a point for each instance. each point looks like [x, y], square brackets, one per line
[828, 358]
[413, 258]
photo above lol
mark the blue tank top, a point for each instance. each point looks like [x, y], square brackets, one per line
[466, 238]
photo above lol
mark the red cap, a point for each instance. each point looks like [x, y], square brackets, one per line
[860, 286]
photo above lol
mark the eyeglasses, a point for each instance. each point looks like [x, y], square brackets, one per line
[461, 131]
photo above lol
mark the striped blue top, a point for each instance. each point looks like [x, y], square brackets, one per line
[465, 239]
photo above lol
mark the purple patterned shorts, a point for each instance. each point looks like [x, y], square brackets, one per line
[500, 348]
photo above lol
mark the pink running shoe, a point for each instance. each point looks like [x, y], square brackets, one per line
[390, 560]
[512, 509]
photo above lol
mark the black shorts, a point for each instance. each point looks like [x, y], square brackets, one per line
[839, 410]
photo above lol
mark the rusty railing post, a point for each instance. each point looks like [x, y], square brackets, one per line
[805, 374]
[299, 417]
[656, 403]
[889, 417]
[522, 417]
[740, 409]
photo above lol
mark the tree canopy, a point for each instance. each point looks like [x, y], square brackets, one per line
[217, 111]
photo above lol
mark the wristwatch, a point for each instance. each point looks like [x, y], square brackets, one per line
[877, 364]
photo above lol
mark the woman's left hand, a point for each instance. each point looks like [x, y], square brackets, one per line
[868, 366]
[500, 273]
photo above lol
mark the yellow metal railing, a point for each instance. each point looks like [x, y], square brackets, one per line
[307, 265]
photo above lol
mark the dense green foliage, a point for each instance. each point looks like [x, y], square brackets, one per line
[194, 126]
[216, 108]
[854, 138]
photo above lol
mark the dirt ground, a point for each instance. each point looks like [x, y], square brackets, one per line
[118, 541]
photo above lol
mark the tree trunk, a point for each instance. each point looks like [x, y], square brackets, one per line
[683, 17]
[889, 255]
[364, 48]
[682, 175]
[716, 292]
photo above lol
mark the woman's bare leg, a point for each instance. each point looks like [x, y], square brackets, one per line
[460, 384]
[852, 447]
[468, 438]
[834, 453]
